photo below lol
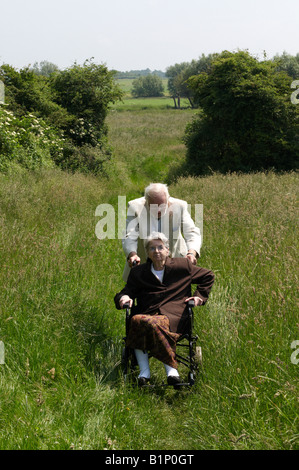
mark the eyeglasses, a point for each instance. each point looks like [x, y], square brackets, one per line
[159, 248]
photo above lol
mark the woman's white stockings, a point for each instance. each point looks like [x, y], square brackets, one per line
[143, 363]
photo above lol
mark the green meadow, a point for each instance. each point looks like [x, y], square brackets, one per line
[127, 83]
[61, 385]
[140, 104]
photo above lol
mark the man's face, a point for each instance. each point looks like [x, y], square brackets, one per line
[157, 251]
[158, 204]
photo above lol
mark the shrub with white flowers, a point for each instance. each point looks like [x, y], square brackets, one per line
[27, 142]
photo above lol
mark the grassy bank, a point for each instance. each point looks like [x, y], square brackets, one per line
[61, 387]
[147, 145]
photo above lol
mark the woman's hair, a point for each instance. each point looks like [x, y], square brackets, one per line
[156, 188]
[156, 236]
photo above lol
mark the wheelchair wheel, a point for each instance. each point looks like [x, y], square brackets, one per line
[191, 378]
[123, 358]
[128, 362]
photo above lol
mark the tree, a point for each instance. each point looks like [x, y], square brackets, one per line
[86, 92]
[179, 74]
[175, 74]
[27, 92]
[44, 68]
[147, 86]
[248, 121]
[288, 63]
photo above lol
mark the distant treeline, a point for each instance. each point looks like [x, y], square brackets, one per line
[132, 74]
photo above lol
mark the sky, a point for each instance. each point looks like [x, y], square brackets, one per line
[139, 34]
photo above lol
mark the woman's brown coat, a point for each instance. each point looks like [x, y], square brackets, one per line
[167, 298]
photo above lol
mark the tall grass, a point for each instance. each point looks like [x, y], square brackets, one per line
[61, 384]
[250, 241]
[147, 145]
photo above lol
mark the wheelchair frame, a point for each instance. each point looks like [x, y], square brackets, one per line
[190, 355]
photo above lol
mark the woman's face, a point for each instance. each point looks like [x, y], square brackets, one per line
[157, 251]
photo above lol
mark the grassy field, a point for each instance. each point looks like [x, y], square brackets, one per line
[140, 104]
[137, 104]
[147, 144]
[126, 85]
[61, 385]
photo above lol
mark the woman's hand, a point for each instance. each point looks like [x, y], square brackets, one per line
[197, 301]
[125, 299]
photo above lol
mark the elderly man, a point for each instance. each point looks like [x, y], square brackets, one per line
[157, 211]
[161, 287]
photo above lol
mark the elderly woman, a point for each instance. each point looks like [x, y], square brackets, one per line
[161, 287]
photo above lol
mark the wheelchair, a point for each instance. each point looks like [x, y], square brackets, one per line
[188, 354]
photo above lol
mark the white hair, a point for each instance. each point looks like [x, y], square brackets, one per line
[156, 188]
[156, 236]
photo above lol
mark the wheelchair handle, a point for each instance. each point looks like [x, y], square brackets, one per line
[126, 305]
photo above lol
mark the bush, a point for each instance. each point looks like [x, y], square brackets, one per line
[248, 121]
[85, 159]
[85, 92]
[56, 119]
[147, 86]
[27, 142]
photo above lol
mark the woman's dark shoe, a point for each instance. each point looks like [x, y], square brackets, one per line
[142, 381]
[173, 380]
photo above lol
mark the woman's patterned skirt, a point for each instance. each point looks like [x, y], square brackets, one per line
[151, 333]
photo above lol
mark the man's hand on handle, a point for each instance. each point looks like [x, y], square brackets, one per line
[191, 255]
[133, 258]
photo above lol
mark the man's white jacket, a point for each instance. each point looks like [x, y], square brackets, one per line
[176, 224]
